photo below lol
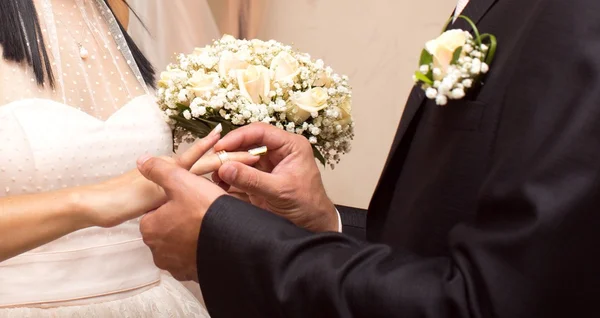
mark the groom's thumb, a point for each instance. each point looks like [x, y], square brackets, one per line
[159, 171]
[249, 179]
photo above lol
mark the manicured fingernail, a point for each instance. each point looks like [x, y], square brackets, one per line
[217, 130]
[141, 160]
[258, 151]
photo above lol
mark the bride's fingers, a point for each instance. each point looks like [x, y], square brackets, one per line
[215, 177]
[199, 148]
[211, 163]
[216, 180]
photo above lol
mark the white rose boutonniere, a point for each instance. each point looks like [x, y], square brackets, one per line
[454, 62]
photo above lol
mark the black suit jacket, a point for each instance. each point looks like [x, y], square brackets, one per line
[487, 207]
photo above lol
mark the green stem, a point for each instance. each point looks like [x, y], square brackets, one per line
[492, 47]
[446, 25]
[475, 30]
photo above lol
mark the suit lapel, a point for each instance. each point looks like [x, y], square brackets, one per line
[475, 10]
[415, 99]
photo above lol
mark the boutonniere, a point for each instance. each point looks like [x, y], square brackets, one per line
[454, 63]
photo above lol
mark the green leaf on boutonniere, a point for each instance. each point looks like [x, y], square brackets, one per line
[426, 58]
[318, 155]
[421, 77]
[456, 55]
[489, 56]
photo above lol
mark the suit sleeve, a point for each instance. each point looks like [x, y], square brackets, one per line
[252, 263]
[532, 252]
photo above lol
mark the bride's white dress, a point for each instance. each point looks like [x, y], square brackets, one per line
[92, 125]
[95, 272]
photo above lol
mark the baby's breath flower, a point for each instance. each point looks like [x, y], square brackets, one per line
[329, 129]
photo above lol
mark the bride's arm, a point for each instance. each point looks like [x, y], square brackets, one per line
[29, 221]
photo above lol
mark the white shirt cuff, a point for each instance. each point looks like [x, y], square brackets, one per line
[339, 221]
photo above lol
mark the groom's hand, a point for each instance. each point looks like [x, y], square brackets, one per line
[286, 181]
[172, 230]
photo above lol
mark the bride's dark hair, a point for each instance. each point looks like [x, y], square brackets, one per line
[22, 41]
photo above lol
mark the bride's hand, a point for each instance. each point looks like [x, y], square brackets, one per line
[131, 195]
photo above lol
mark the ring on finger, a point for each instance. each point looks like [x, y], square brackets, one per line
[223, 156]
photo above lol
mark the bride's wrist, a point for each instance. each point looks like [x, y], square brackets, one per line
[79, 208]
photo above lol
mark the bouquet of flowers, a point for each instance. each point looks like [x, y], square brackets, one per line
[237, 82]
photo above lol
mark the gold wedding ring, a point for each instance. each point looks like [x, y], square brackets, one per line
[223, 156]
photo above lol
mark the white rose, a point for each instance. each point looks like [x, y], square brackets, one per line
[259, 47]
[345, 113]
[322, 80]
[346, 106]
[255, 83]
[305, 103]
[229, 61]
[444, 46]
[201, 82]
[285, 67]
[167, 76]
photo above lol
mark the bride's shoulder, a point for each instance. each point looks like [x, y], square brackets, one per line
[15, 81]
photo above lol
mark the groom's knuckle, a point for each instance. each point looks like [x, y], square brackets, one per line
[144, 224]
[286, 192]
[252, 181]
[147, 228]
[147, 241]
